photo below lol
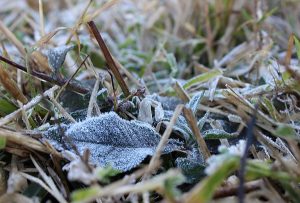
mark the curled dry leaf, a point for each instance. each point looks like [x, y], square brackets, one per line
[145, 112]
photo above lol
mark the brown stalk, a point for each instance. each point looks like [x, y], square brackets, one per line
[10, 85]
[188, 114]
[232, 190]
[71, 86]
[109, 59]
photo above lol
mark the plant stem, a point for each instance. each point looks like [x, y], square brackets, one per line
[71, 86]
[109, 59]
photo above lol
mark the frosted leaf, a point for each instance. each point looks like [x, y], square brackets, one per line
[192, 166]
[181, 126]
[56, 56]
[218, 134]
[195, 101]
[203, 120]
[113, 141]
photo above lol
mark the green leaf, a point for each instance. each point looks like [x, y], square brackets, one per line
[6, 107]
[192, 166]
[285, 131]
[203, 120]
[82, 195]
[172, 63]
[2, 142]
[105, 173]
[270, 108]
[204, 77]
[195, 101]
[259, 169]
[286, 76]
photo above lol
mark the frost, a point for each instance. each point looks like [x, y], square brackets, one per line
[181, 126]
[192, 165]
[112, 140]
[56, 56]
[195, 101]
[216, 161]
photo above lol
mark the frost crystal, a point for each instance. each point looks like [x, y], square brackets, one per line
[113, 141]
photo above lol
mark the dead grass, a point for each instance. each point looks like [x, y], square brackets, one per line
[223, 61]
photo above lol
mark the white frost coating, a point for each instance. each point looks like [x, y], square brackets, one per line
[215, 161]
[56, 56]
[113, 141]
[194, 102]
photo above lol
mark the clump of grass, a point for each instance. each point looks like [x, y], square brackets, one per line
[224, 64]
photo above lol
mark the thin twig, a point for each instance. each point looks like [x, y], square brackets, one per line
[109, 59]
[71, 86]
[164, 139]
[61, 109]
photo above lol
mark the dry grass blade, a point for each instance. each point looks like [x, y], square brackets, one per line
[12, 38]
[181, 92]
[104, 7]
[164, 139]
[10, 85]
[193, 125]
[22, 140]
[48, 185]
[156, 183]
[61, 109]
